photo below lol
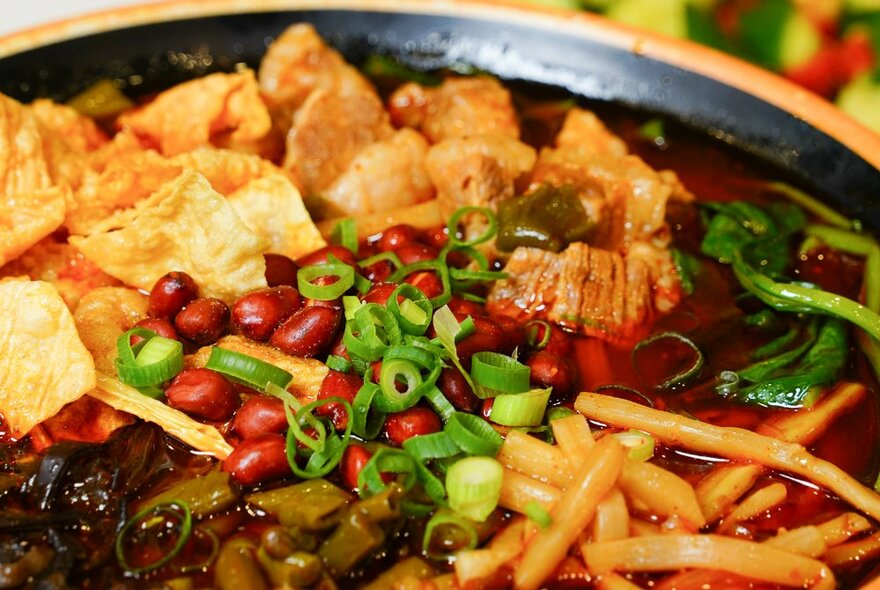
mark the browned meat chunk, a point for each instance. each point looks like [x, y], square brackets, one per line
[329, 131]
[623, 195]
[385, 176]
[593, 291]
[460, 107]
[297, 63]
[478, 170]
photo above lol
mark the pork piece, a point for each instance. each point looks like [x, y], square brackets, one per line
[479, 170]
[593, 291]
[460, 107]
[299, 62]
[329, 131]
[384, 176]
[625, 197]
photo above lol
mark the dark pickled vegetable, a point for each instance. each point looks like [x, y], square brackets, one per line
[549, 218]
[313, 505]
[205, 495]
[237, 567]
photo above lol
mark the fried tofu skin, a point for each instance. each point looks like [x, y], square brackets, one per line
[43, 363]
[219, 109]
[186, 226]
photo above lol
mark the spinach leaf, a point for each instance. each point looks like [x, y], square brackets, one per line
[786, 379]
[740, 227]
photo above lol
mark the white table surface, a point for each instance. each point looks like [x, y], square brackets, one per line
[23, 14]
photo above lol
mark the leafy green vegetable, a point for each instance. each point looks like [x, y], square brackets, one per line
[687, 268]
[785, 380]
[804, 298]
[740, 227]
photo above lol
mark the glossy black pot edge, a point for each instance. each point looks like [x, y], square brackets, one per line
[153, 56]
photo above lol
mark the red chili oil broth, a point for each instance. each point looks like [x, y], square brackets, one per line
[712, 172]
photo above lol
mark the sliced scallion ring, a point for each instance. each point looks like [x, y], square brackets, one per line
[639, 445]
[474, 435]
[305, 277]
[473, 485]
[367, 421]
[496, 374]
[386, 460]
[491, 229]
[338, 363]
[344, 234]
[328, 452]
[391, 257]
[437, 445]
[439, 267]
[149, 363]
[520, 409]
[246, 369]
[680, 377]
[414, 313]
[371, 331]
[149, 519]
[538, 334]
[396, 371]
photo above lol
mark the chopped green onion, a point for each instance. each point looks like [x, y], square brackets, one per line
[448, 330]
[367, 420]
[472, 297]
[246, 369]
[464, 274]
[451, 532]
[414, 312]
[520, 409]
[474, 435]
[305, 277]
[538, 514]
[386, 460]
[639, 445]
[438, 267]
[496, 374]
[150, 363]
[350, 304]
[474, 486]
[344, 234]
[459, 214]
[439, 402]
[391, 257]
[534, 328]
[338, 363]
[437, 445]
[150, 519]
[395, 371]
[328, 450]
[362, 284]
[682, 376]
[371, 331]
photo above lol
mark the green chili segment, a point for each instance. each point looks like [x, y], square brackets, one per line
[549, 218]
